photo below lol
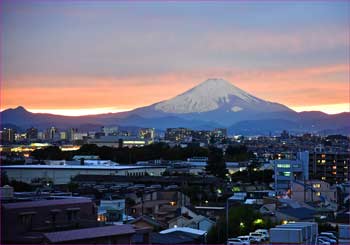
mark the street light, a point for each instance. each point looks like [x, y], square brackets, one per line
[241, 225]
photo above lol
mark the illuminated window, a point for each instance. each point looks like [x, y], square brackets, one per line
[318, 194]
[323, 161]
[334, 173]
[323, 178]
[318, 161]
[316, 185]
[287, 174]
[334, 167]
[323, 155]
[283, 165]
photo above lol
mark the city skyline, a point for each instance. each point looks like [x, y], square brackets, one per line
[77, 58]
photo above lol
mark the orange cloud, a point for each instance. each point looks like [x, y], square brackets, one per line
[299, 88]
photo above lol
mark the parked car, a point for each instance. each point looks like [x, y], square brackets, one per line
[264, 232]
[257, 236]
[171, 187]
[327, 239]
[235, 241]
[329, 235]
[322, 242]
[156, 186]
[245, 239]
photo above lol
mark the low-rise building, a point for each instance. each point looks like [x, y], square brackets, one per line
[24, 218]
[62, 174]
[313, 191]
[114, 234]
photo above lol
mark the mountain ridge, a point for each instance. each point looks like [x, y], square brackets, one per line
[213, 103]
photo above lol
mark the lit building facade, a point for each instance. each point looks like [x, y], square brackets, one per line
[287, 170]
[178, 134]
[332, 167]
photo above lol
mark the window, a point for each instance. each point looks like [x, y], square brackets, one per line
[318, 194]
[287, 174]
[26, 218]
[334, 173]
[316, 185]
[54, 213]
[323, 178]
[283, 165]
[334, 167]
[72, 214]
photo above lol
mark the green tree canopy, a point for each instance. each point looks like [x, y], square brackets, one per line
[216, 164]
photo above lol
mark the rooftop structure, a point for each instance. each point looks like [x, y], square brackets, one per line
[62, 174]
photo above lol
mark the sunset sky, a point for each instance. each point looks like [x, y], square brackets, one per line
[86, 57]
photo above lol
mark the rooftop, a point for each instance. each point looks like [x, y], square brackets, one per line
[89, 233]
[43, 203]
[300, 213]
[184, 229]
[158, 238]
[99, 167]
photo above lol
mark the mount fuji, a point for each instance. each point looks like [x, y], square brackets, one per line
[213, 103]
[216, 100]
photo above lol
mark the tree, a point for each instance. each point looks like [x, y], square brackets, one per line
[72, 187]
[4, 178]
[241, 220]
[237, 153]
[216, 164]
[48, 153]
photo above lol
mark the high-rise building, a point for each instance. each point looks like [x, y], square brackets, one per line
[287, 170]
[146, 133]
[8, 135]
[32, 133]
[178, 134]
[63, 135]
[201, 136]
[332, 167]
[110, 130]
[71, 133]
[52, 132]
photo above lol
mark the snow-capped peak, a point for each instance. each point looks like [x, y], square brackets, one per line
[207, 96]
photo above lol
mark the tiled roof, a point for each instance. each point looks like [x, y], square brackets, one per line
[89, 233]
[146, 219]
[300, 213]
[157, 238]
[43, 203]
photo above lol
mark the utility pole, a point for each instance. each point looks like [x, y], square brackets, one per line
[227, 207]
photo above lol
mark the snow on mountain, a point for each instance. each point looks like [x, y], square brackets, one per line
[208, 96]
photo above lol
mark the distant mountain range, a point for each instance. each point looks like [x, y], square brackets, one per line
[213, 103]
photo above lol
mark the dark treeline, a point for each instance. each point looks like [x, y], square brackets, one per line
[238, 153]
[123, 155]
[127, 155]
